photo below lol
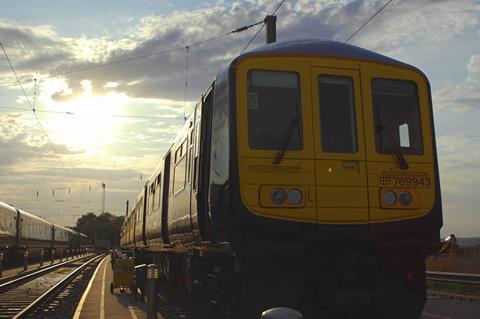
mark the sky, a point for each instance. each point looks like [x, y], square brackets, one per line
[108, 121]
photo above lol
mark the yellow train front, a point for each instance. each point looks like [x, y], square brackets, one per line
[306, 177]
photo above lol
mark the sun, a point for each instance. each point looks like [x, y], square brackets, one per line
[87, 123]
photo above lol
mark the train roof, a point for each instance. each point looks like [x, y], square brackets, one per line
[324, 48]
[5, 206]
[32, 216]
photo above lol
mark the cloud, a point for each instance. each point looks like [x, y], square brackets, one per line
[21, 141]
[459, 161]
[474, 69]
[412, 23]
[400, 25]
[464, 96]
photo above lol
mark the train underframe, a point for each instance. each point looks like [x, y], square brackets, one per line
[339, 282]
[16, 255]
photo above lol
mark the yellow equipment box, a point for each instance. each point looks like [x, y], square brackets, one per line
[123, 274]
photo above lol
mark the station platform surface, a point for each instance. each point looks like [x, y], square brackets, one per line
[98, 302]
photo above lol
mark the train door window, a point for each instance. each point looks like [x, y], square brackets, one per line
[397, 116]
[196, 152]
[190, 155]
[195, 173]
[159, 188]
[180, 170]
[197, 139]
[190, 164]
[337, 114]
[274, 92]
[152, 196]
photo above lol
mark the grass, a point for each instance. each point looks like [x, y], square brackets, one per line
[454, 288]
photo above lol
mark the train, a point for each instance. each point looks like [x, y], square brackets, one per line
[21, 231]
[305, 177]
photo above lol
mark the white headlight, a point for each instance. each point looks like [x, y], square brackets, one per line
[405, 198]
[389, 198]
[278, 196]
[294, 196]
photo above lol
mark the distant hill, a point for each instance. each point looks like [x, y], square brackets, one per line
[468, 241]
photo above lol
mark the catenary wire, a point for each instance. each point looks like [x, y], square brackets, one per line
[366, 22]
[186, 85]
[103, 115]
[33, 109]
[139, 57]
[261, 28]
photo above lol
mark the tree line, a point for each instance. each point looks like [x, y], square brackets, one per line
[101, 227]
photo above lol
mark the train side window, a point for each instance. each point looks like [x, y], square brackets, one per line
[337, 114]
[396, 116]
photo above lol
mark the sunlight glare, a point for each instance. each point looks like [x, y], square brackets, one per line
[89, 126]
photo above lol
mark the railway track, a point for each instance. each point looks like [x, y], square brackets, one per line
[46, 293]
[174, 303]
[452, 277]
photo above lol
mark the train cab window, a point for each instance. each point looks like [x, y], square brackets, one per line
[273, 104]
[337, 114]
[397, 116]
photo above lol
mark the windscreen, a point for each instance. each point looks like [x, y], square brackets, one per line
[273, 103]
[396, 112]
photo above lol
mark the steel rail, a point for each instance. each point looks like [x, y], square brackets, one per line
[27, 310]
[452, 277]
[37, 273]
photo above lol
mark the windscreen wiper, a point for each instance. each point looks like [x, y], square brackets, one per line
[394, 145]
[288, 136]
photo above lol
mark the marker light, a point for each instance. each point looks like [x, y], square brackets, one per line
[278, 196]
[389, 198]
[294, 196]
[405, 198]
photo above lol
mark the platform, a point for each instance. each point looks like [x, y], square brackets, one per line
[98, 302]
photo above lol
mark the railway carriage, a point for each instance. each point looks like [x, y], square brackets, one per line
[21, 231]
[307, 177]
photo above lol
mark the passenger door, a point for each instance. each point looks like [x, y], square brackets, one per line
[340, 162]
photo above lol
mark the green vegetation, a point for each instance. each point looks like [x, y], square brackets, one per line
[453, 288]
[102, 227]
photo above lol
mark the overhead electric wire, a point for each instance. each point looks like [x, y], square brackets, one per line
[253, 38]
[139, 57]
[34, 94]
[186, 85]
[33, 109]
[366, 22]
[102, 115]
[263, 25]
